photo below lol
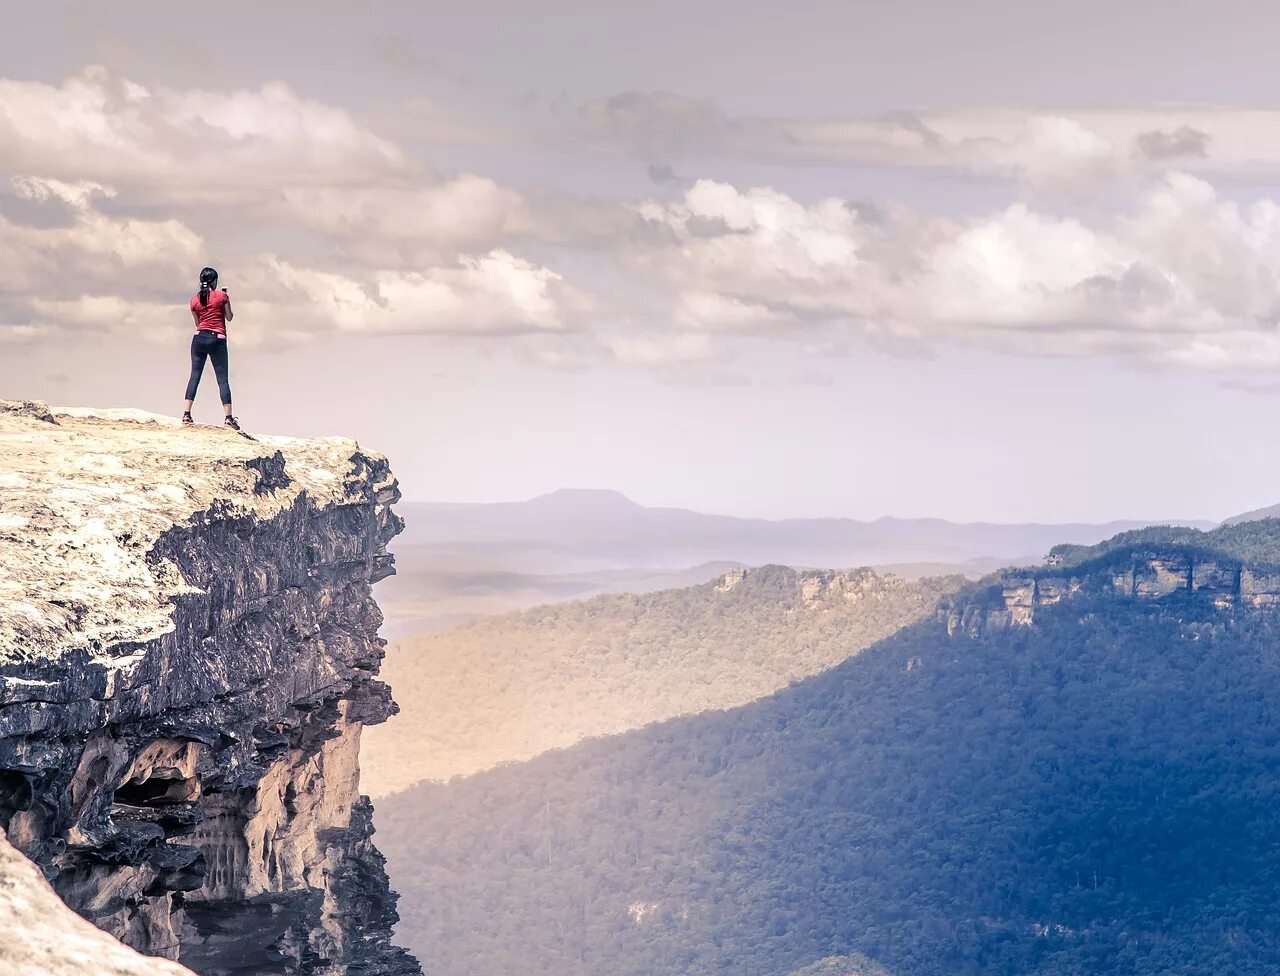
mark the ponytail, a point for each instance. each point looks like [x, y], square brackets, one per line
[208, 278]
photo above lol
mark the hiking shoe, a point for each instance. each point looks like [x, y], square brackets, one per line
[187, 421]
[231, 422]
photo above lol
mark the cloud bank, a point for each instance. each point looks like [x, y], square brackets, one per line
[1117, 239]
[326, 225]
[1080, 147]
[1183, 277]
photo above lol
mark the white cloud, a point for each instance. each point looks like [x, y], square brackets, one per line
[96, 126]
[146, 320]
[404, 221]
[89, 249]
[266, 158]
[711, 310]
[321, 224]
[319, 219]
[25, 333]
[494, 293]
[78, 195]
[1185, 277]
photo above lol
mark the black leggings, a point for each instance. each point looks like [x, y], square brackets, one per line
[206, 343]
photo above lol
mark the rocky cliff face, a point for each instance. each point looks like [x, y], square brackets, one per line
[42, 937]
[188, 653]
[1143, 572]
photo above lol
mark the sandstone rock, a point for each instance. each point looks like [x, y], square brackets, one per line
[188, 652]
[1019, 595]
[731, 579]
[849, 586]
[1050, 591]
[1259, 588]
[1221, 580]
[1145, 573]
[1160, 576]
[42, 937]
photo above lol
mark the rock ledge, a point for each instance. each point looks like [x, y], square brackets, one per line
[188, 652]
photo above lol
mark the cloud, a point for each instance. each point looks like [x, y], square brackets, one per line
[410, 222]
[320, 224]
[1057, 149]
[1184, 278]
[325, 224]
[18, 334]
[120, 133]
[661, 173]
[135, 317]
[657, 123]
[494, 293]
[90, 250]
[98, 272]
[1180, 143]
[265, 158]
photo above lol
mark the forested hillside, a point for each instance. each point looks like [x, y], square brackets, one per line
[1254, 541]
[1095, 793]
[857, 965]
[508, 688]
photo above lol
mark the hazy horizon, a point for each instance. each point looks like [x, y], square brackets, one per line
[630, 497]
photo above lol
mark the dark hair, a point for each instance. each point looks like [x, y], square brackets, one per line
[208, 278]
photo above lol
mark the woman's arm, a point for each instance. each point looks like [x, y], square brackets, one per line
[229, 314]
[195, 316]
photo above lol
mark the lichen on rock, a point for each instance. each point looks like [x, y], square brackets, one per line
[188, 652]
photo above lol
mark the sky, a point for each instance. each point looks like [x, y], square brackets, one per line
[987, 261]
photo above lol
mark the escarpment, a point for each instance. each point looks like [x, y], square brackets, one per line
[188, 654]
[1142, 572]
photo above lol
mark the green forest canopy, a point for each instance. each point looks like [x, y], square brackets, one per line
[1254, 542]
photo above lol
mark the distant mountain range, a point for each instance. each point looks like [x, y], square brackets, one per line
[573, 530]
[1271, 511]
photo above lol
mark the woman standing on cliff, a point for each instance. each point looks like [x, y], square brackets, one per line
[211, 311]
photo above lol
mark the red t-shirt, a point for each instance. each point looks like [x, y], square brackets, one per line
[211, 317]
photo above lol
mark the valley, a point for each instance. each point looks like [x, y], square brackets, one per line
[508, 688]
[1085, 790]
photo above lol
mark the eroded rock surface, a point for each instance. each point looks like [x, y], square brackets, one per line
[51, 940]
[1144, 572]
[188, 653]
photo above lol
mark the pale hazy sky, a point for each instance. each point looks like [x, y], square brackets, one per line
[1002, 261]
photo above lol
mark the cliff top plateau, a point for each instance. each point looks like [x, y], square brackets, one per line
[86, 494]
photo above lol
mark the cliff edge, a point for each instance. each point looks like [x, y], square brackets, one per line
[188, 654]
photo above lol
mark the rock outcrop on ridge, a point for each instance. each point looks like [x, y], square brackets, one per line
[1144, 571]
[188, 654]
